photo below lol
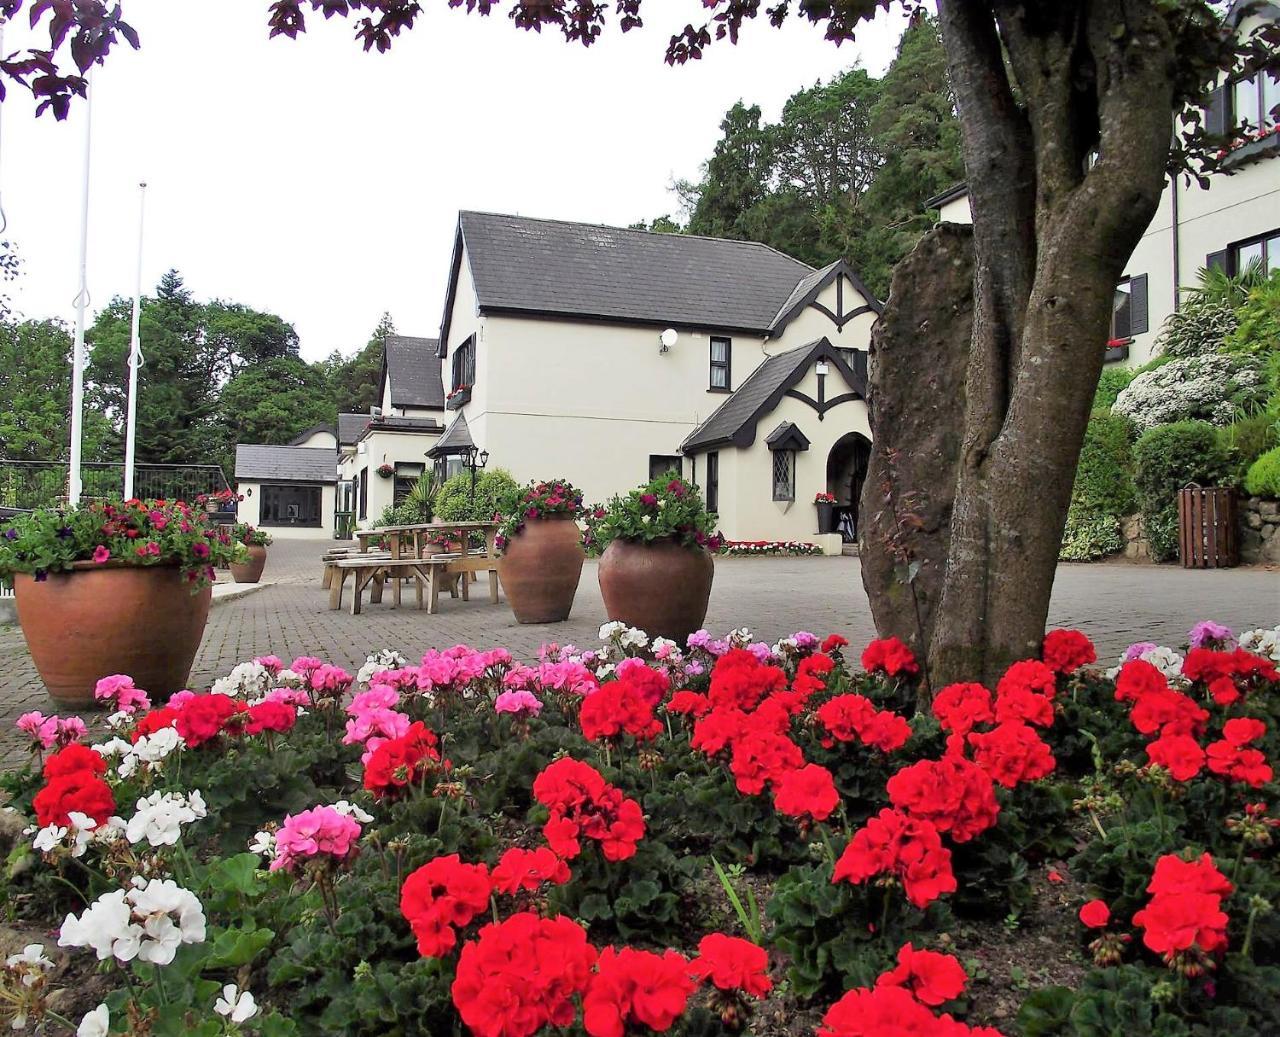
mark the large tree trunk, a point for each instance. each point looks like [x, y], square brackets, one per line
[1051, 236]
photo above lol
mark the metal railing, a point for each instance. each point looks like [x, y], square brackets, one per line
[25, 485]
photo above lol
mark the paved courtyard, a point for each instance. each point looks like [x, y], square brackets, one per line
[1114, 604]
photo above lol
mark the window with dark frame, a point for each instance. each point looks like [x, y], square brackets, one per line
[1248, 100]
[712, 490]
[290, 505]
[363, 478]
[464, 364]
[784, 475]
[1129, 315]
[661, 464]
[1264, 249]
[721, 364]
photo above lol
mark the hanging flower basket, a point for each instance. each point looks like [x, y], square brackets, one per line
[386, 470]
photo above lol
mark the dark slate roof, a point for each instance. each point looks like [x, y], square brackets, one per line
[304, 436]
[734, 422]
[456, 439]
[415, 371]
[350, 426]
[290, 463]
[394, 423]
[524, 265]
[787, 436]
[950, 194]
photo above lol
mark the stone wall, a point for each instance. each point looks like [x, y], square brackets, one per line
[1259, 531]
[1135, 539]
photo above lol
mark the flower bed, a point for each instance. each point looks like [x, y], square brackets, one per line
[744, 548]
[648, 837]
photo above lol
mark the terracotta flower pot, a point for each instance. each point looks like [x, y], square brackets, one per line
[84, 625]
[250, 571]
[540, 569]
[660, 587]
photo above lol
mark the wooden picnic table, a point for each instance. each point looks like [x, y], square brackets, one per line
[405, 542]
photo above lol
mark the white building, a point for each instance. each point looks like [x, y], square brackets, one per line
[555, 363]
[1230, 223]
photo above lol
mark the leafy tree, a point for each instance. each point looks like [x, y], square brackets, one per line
[355, 382]
[273, 402]
[35, 395]
[738, 174]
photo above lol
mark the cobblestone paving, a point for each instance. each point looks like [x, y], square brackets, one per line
[289, 616]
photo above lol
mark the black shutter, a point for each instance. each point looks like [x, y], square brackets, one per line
[1216, 260]
[1138, 305]
[1215, 112]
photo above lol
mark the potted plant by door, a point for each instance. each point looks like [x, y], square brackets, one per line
[826, 505]
[656, 569]
[113, 587]
[541, 550]
[255, 542]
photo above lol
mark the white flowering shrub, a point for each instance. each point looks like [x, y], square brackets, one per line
[1208, 388]
[1199, 328]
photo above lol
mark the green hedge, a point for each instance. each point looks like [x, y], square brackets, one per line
[1104, 491]
[1167, 458]
[1112, 383]
[1263, 478]
[453, 501]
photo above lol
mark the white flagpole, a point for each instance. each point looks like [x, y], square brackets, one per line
[135, 358]
[75, 485]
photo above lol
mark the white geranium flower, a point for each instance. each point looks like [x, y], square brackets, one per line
[246, 680]
[603, 671]
[286, 678]
[116, 746]
[155, 904]
[634, 638]
[119, 719]
[610, 629]
[263, 844]
[386, 659]
[238, 1005]
[352, 811]
[49, 838]
[106, 926]
[161, 815]
[150, 750]
[1265, 643]
[30, 964]
[96, 1023]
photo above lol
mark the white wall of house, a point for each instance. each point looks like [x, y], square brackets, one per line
[377, 448]
[747, 508]
[320, 438]
[248, 511]
[592, 401]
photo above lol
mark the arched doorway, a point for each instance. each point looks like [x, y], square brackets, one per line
[846, 470]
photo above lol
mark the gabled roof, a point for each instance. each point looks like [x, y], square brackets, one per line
[256, 461]
[521, 265]
[949, 195]
[302, 437]
[787, 436]
[414, 369]
[350, 426]
[456, 439]
[812, 285]
[734, 422]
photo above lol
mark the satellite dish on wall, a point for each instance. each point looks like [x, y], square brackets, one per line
[668, 339]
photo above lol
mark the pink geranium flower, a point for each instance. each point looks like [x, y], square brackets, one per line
[122, 693]
[321, 835]
[518, 703]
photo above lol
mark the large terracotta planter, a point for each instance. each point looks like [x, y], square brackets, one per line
[540, 569]
[250, 571]
[660, 587]
[84, 625]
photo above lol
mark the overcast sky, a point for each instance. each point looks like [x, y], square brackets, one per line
[321, 183]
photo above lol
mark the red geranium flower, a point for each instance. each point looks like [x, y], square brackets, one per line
[522, 974]
[932, 977]
[154, 720]
[1177, 923]
[1016, 702]
[808, 792]
[689, 703]
[889, 656]
[1169, 712]
[879, 1012]
[959, 707]
[616, 708]
[633, 986]
[834, 642]
[80, 791]
[953, 793]
[582, 804]
[1095, 914]
[1065, 651]
[741, 681]
[270, 716]
[399, 762]
[717, 730]
[1238, 731]
[906, 848]
[1012, 753]
[519, 869]
[1239, 764]
[1028, 675]
[443, 895]
[732, 963]
[1180, 755]
[1138, 678]
[202, 718]
[762, 757]
[70, 760]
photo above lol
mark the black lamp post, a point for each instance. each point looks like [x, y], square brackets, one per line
[475, 460]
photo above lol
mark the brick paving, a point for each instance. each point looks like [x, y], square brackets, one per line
[1115, 604]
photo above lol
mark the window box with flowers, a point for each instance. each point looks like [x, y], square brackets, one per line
[112, 587]
[1117, 349]
[656, 568]
[255, 541]
[458, 397]
[826, 505]
[541, 550]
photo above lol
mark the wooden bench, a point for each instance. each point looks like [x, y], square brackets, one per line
[428, 574]
[341, 553]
